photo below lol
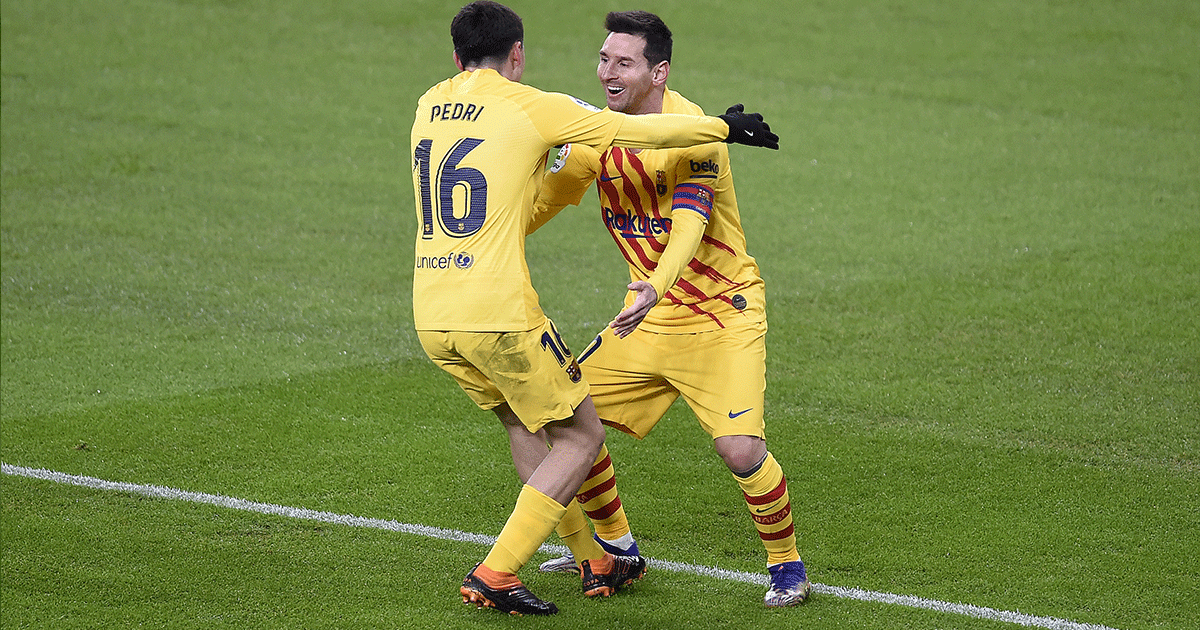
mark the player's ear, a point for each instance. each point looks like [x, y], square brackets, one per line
[658, 74]
[458, 62]
[518, 60]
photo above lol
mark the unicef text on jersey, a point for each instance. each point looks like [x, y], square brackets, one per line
[461, 260]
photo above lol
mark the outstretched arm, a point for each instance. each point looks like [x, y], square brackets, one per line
[649, 131]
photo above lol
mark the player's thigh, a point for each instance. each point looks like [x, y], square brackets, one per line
[723, 377]
[628, 392]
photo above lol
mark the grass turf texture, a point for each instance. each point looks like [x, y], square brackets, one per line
[980, 242]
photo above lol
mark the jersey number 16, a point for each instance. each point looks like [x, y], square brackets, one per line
[457, 223]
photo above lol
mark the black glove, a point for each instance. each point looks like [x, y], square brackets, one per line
[748, 129]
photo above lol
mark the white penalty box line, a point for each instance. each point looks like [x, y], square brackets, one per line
[162, 492]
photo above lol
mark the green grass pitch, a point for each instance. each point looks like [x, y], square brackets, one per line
[981, 242]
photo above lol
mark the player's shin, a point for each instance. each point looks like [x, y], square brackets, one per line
[530, 524]
[599, 499]
[766, 494]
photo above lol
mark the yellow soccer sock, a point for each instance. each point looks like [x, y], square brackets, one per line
[574, 531]
[531, 522]
[599, 499]
[770, 506]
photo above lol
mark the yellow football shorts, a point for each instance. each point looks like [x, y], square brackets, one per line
[533, 371]
[722, 376]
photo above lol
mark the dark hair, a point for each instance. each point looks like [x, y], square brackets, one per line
[484, 31]
[646, 25]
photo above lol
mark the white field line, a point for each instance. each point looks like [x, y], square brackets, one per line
[161, 492]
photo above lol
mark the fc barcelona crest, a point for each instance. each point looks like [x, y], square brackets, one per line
[660, 179]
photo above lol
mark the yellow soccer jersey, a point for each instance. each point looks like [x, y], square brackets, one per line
[479, 145]
[639, 192]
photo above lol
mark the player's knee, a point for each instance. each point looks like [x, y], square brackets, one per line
[742, 454]
[583, 430]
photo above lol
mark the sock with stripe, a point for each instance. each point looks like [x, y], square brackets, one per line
[765, 490]
[599, 500]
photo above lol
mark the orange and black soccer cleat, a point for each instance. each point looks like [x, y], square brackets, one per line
[624, 570]
[513, 599]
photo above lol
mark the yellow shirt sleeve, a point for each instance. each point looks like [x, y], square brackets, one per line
[687, 229]
[560, 119]
[566, 181]
[652, 131]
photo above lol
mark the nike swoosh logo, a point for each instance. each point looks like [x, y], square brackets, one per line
[604, 178]
[734, 415]
[750, 133]
[762, 510]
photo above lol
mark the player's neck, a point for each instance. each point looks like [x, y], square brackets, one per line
[652, 104]
[505, 71]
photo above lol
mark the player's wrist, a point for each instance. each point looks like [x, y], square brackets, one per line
[658, 285]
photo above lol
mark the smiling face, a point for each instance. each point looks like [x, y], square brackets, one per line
[631, 85]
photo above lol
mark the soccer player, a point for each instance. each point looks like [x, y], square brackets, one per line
[694, 323]
[480, 142]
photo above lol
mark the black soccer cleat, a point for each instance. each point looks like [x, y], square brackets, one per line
[624, 571]
[517, 600]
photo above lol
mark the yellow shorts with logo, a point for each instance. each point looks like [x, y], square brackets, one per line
[533, 371]
[722, 375]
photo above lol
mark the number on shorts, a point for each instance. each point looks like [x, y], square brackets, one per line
[553, 342]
